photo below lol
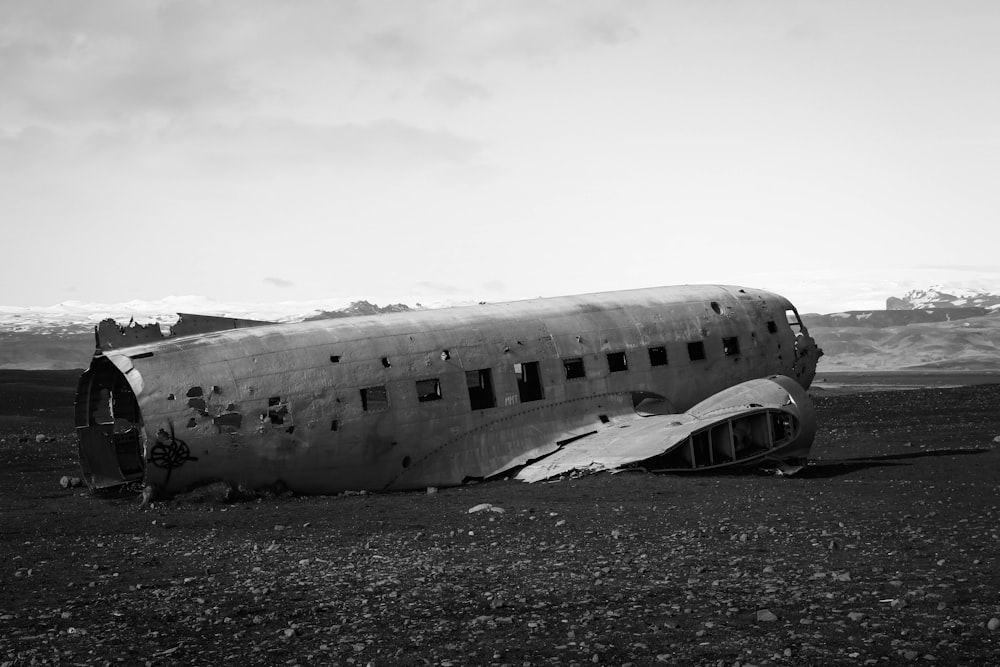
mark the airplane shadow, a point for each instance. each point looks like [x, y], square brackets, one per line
[835, 467]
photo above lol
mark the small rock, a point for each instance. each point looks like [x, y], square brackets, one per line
[481, 507]
[41, 437]
[64, 481]
[855, 615]
[765, 616]
[993, 624]
[431, 490]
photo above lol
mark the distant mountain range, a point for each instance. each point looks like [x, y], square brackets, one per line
[939, 296]
[937, 327]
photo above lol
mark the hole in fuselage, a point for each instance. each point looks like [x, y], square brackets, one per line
[109, 426]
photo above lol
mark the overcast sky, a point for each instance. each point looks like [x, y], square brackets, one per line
[265, 151]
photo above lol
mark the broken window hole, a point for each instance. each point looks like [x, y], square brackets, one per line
[406, 461]
[696, 350]
[658, 356]
[333, 424]
[428, 390]
[445, 355]
[772, 327]
[195, 391]
[276, 410]
[574, 368]
[617, 362]
[731, 346]
[716, 308]
[604, 418]
[192, 423]
[529, 381]
[374, 399]
[385, 362]
[334, 358]
[170, 397]
[290, 430]
[480, 385]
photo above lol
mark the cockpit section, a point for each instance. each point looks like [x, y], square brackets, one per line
[109, 427]
[807, 353]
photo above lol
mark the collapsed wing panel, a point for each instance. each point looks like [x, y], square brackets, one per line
[761, 421]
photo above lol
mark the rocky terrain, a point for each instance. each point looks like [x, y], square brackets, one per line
[885, 551]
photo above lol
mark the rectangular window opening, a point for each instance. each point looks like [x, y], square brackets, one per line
[529, 381]
[428, 390]
[772, 327]
[574, 368]
[334, 424]
[731, 346]
[793, 320]
[617, 362]
[696, 350]
[374, 399]
[658, 356]
[480, 384]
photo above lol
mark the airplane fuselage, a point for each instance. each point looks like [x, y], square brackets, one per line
[421, 398]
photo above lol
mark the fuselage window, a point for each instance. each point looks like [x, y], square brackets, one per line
[480, 385]
[428, 390]
[731, 346]
[374, 399]
[574, 368]
[793, 320]
[772, 327]
[696, 350]
[658, 356]
[529, 381]
[617, 362]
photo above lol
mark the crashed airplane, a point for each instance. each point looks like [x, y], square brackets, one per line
[676, 379]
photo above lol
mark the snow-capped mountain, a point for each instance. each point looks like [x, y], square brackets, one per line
[80, 316]
[941, 296]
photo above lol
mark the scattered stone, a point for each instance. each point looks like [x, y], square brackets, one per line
[765, 616]
[855, 615]
[481, 507]
[431, 490]
[993, 624]
[41, 437]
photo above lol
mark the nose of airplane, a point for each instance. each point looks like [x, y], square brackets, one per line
[807, 354]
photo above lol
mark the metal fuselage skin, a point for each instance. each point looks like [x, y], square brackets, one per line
[423, 398]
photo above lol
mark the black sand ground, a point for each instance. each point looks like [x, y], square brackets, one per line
[885, 551]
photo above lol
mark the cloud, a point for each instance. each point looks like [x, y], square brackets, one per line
[109, 61]
[279, 282]
[454, 91]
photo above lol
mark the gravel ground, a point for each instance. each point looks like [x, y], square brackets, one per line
[884, 551]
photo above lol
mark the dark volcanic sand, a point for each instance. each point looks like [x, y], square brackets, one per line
[885, 551]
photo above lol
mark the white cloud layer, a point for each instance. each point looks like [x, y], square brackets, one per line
[551, 146]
